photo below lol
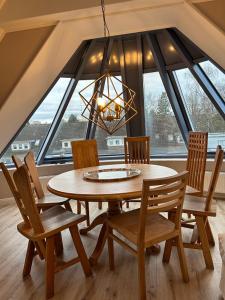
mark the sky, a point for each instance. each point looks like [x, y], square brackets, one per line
[48, 108]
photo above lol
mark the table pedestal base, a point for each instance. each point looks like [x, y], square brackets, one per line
[99, 220]
[114, 208]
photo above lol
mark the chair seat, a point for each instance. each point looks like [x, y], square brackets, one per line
[156, 227]
[50, 200]
[196, 205]
[192, 191]
[54, 220]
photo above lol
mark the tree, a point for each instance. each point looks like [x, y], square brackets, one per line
[202, 112]
[72, 119]
[163, 108]
[164, 123]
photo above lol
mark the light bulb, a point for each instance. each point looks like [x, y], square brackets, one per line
[101, 103]
[171, 48]
[118, 101]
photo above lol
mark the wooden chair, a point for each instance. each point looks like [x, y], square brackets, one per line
[17, 161]
[136, 151]
[44, 201]
[145, 227]
[202, 208]
[85, 154]
[11, 184]
[196, 162]
[43, 230]
[16, 196]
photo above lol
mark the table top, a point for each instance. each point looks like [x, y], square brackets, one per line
[72, 185]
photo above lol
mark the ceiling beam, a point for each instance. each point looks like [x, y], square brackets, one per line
[33, 18]
[198, 1]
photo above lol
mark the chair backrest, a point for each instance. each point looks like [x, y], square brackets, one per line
[33, 172]
[136, 150]
[196, 159]
[17, 161]
[23, 184]
[85, 154]
[14, 191]
[214, 177]
[160, 195]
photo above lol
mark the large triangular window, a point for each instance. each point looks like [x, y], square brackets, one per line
[71, 127]
[160, 122]
[34, 132]
[202, 113]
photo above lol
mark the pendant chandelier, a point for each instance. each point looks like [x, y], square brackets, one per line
[111, 105]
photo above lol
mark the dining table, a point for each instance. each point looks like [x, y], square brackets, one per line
[74, 185]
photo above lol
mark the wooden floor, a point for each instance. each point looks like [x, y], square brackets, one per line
[163, 281]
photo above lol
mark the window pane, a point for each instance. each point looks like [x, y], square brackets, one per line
[34, 132]
[202, 113]
[215, 75]
[72, 126]
[160, 122]
[111, 144]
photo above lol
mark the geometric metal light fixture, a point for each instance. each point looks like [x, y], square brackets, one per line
[110, 107]
[107, 107]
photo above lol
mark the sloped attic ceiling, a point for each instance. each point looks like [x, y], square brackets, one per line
[214, 10]
[74, 26]
[17, 50]
[11, 10]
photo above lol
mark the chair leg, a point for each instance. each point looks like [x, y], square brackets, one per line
[78, 207]
[169, 243]
[50, 266]
[167, 251]
[68, 206]
[209, 234]
[39, 250]
[194, 236]
[87, 213]
[110, 249]
[182, 258]
[58, 244]
[28, 259]
[204, 242]
[127, 204]
[99, 205]
[141, 274]
[80, 250]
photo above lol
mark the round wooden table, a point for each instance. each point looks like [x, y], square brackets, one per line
[72, 185]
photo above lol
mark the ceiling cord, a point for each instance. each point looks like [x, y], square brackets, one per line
[106, 29]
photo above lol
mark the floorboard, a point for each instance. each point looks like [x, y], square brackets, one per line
[163, 281]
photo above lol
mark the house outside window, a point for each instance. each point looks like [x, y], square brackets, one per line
[20, 146]
[66, 144]
[115, 141]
